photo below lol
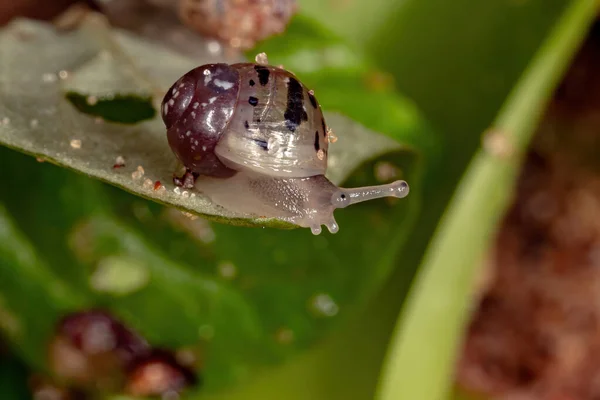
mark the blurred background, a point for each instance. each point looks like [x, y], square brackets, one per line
[483, 284]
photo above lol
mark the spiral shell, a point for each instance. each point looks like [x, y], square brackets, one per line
[224, 118]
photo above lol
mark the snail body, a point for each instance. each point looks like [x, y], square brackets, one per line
[257, 138]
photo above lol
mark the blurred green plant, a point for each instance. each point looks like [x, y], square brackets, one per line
[251, 299]
[420, 362]
[13, 377]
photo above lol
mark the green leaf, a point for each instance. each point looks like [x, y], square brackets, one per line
[38, 120]
[420, 361]
[210, 315]
[13, 378]
[279, 292]
[202, 312]
[28, 288]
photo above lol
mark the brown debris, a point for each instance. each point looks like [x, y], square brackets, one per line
[92, 348]
[238, 23]
[158, 374]
[93, 351]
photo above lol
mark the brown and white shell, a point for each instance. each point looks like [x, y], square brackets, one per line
[277, 128]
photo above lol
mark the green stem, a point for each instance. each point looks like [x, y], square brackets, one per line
[421, 356]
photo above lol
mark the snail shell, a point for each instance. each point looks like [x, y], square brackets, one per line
[258, 138]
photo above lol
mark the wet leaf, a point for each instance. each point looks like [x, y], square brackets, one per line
[279, 292]
[38, 120]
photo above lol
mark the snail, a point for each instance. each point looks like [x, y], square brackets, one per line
[253, 138]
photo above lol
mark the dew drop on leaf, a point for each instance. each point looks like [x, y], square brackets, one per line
[322, 305]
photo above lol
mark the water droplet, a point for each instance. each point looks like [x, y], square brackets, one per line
[34, 123]
[63, 74]
[185, 194]
[214, 47]
[322, 305]
[227, 270]
[119, 276]
[177, 191]
[91, 100]
[76, 143]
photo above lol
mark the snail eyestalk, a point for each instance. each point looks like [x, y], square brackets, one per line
[345, 197]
